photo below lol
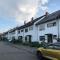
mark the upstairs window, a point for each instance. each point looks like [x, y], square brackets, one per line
[51, 24]
[13, 32]
[21, 30]
[42, 27]
[31, 28]
[42, 38]
[26, 30]
[18, 31]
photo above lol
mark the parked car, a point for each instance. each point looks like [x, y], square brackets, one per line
[50, 51]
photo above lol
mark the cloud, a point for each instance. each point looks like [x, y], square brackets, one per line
[21, 10]
[5, 28]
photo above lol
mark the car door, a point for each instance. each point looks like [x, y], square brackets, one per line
[51, 53]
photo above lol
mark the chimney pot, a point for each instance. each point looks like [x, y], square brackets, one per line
[32, 19]
[46, 13]
[24, 22]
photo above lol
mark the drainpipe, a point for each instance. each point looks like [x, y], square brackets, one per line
[23, 36]
[37, 33]
[58, 30]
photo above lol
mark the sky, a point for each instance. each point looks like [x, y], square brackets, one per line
[14, 12]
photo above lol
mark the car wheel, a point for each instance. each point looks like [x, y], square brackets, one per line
[39, 55]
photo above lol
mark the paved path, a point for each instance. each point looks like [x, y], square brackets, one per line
[31, 50]
[8, 52]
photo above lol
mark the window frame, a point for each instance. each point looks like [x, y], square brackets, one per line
[22, 30]
[18, 31]
[41, 27]
[51, 24]
[41, 39]
[26, 30]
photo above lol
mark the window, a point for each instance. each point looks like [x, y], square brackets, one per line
[13, 32]
[31, 28]
[26, 30]
[42, 27]
[54, 24]
[42, 38]
[54, 46]
[18, 31]
[20, 37]
[51, 24]
[21, 30]
[54, 36]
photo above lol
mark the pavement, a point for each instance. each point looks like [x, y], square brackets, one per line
[29, 49]
[16, 52]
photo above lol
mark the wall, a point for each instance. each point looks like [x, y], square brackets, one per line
[51, 30]
[35, 33]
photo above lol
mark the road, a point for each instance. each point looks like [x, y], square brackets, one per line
[8, 52]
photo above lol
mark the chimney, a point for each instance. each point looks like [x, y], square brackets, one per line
[32, 19]
[24, 22]
[46, 13]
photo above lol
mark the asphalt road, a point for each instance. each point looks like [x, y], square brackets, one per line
[8, 52]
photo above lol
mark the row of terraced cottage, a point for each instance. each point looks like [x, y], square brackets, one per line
[44, 28]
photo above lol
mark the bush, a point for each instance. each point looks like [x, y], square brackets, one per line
[35, 44]
[4, 39]
[16, 41]
[44, 44]
[26, 44]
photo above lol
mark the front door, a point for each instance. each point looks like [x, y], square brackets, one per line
[29, 39]
[26, 39]
[50, 38]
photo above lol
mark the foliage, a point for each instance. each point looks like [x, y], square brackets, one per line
[35, 44]
[16, 41]
[4, 39]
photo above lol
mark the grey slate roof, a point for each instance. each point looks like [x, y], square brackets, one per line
[24, 26]
[29, 23]
[12, 30]
[50, 17]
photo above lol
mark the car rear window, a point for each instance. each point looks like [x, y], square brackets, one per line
[54, 47]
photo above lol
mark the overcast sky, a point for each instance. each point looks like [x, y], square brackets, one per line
[14, 12]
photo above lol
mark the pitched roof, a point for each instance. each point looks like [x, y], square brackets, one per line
[12, 30]
[50, 17]
[30, 23]
[23, 26]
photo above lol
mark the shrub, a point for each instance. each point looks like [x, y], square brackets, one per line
[16, 41]
[44, 44]
[26, 44]
[35, 44]
[4, 39]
